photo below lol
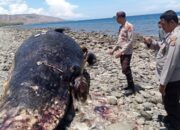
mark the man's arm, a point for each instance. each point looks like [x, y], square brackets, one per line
[155, 45]
[130, 40]
[115, 48]
[170, 64]
[152, 44]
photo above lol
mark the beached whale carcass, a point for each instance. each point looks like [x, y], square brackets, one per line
[47, 70]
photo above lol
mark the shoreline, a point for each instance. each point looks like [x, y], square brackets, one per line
[106, 32]
[107, 82]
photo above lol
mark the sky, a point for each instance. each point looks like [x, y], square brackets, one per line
[87, 9]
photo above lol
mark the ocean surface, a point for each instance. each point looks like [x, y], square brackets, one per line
[143, 24]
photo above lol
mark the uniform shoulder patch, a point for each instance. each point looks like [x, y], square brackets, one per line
[173, 40]
[129, 28]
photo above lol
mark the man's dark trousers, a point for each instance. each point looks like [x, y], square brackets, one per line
[126, 69]
[172, 103]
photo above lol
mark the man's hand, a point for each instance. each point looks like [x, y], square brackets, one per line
[147, 41]
[162, 89]
[111, 52]
[119, 54]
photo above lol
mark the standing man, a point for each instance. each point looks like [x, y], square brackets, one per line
[168, 67]
[125, 40]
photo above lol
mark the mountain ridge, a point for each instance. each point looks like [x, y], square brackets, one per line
[27, 19]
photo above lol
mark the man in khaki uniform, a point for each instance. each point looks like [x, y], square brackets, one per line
[125, 40]
[168, 67]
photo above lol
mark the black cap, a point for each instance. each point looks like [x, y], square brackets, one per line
[121, 14]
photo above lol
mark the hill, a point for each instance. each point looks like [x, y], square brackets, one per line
[26, 19]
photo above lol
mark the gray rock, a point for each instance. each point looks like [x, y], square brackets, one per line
[144, 55]
[147, 127]
[147, 106]
[141, 121]
[117, 94]
[121, 126]
[155, 100]
[128, 100]
[112, 100]
[139, 99]
[146, 115]
[160, 106]
[120, 102]
[5, 68]
[148, 87]
[140, 107]
[81, 126]
[145, 94]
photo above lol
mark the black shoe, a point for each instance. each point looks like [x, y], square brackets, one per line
[130, 88]
[129, 92]
[169, 127]
[127, 88]
[167, 123]
[164, 119]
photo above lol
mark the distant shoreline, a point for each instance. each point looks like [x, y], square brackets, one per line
[142, 25]
[9, 24]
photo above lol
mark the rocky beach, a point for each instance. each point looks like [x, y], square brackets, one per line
[108, 107]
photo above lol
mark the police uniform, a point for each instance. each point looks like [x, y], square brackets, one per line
[125, 40]
[168, 72]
